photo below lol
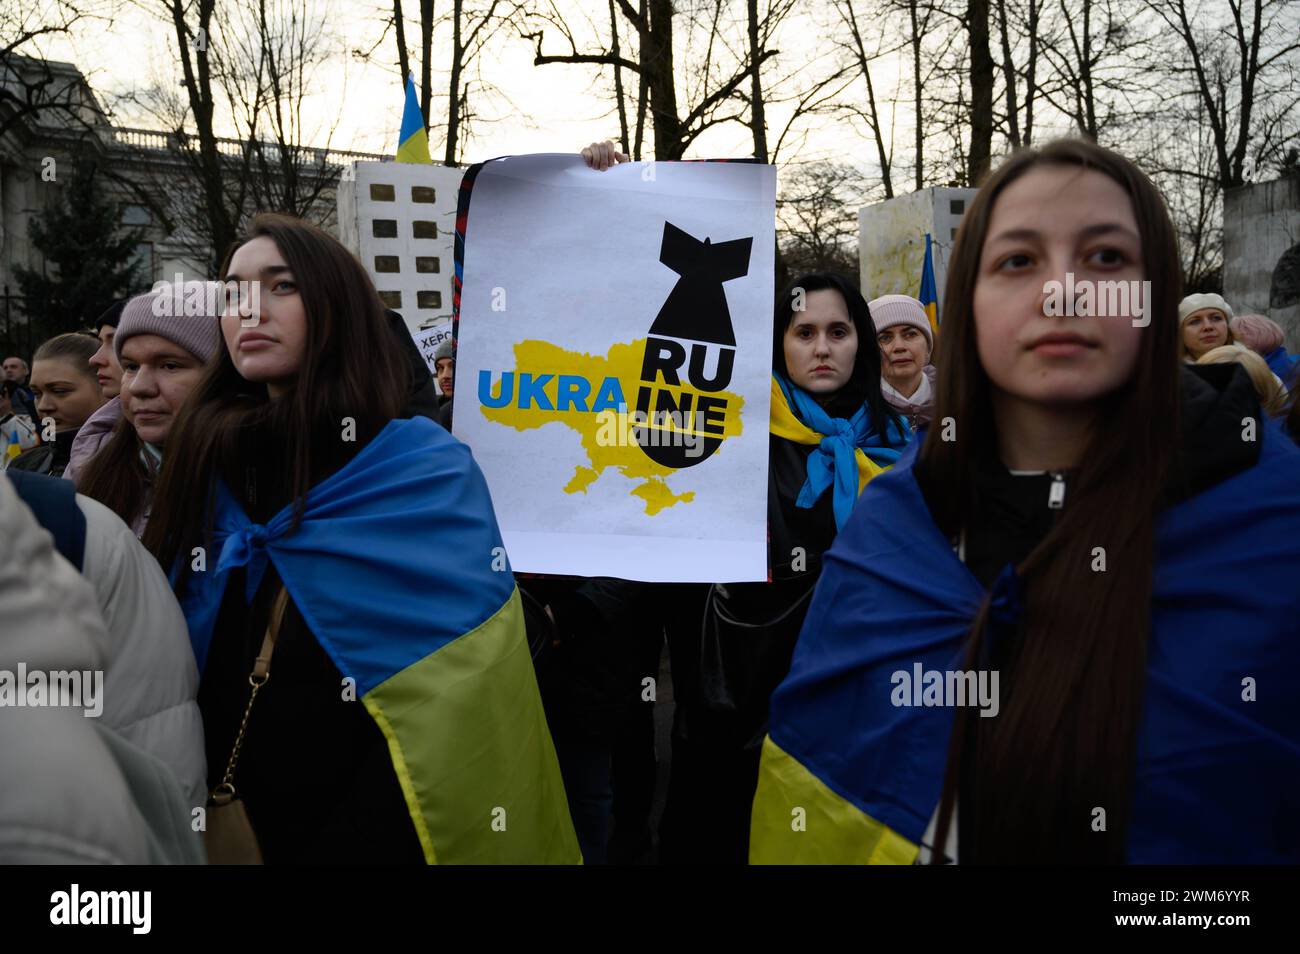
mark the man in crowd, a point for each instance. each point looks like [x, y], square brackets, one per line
[444, 361]
[16, 370]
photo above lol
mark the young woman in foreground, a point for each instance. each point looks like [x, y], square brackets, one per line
[1113, 534]
[312, 521]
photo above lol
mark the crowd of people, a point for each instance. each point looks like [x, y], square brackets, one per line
[257, 524]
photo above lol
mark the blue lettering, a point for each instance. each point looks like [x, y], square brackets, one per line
[485, 389]
[610, 396]
[573, 390]
[530, 391]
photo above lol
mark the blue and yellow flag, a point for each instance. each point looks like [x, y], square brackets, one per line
[929, 297]
[399, 571]
[853, 767]
[413, 140]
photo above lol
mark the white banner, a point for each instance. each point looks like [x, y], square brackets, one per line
[614, 360]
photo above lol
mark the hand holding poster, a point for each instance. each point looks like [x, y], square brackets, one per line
[614, 364]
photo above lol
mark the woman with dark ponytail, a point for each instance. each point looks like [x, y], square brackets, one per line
[1038, 639]
[831, 432]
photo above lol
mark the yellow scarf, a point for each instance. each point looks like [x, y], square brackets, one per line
[785, 424]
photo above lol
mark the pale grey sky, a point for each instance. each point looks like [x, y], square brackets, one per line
[558, 107]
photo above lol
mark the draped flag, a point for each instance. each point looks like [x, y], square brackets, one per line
[399, 571]
[929, 296]
[413, 140]
[1217, 768]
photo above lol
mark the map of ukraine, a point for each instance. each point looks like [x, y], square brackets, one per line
[603, 439]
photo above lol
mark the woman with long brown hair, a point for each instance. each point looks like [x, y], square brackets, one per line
[341, 557]
[1038, 638]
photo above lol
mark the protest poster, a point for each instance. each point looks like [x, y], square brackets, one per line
[614, 361]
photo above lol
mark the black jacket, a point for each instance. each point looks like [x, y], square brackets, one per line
[732, 643]
[314, 770]
[1012, 515]
[592, 662]
[51, 458]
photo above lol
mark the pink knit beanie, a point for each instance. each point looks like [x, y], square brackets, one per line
[188, 314]
[1257, 333]
[889, 310]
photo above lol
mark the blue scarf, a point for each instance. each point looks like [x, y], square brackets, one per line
[833, 462]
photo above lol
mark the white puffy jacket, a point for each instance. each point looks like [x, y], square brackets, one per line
[71, 790]
[151, 682]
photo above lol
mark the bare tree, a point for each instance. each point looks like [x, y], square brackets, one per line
[1092, 48]
[850, 14]
[472, 27]
[817, 220]
[29, 88]
[193, 46]
[247, 68]
[653, 23]
[1241, 67]
[426, 56]
[615, 52]
[403, 57]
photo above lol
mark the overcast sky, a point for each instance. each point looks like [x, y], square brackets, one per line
[557, 107]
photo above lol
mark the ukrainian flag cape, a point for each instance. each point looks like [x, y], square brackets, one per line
[847, 777]
[399, 570]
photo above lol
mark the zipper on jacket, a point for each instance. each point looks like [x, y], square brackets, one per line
[1056, 494]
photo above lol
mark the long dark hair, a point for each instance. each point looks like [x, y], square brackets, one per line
[1065, 741]
[863, 386]
[350, 369]
[117, 476]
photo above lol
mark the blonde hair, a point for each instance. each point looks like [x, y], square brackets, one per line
[1272, 395]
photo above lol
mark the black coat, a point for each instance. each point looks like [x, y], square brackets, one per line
[51, 458]
[314, 771]
[593, 661]
[732, 643]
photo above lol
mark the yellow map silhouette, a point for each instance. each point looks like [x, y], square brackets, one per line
[623, 361]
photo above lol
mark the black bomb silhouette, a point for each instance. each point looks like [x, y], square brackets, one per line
[695, 314]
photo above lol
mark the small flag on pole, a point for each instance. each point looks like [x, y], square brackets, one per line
[929, 297]
[413, 140]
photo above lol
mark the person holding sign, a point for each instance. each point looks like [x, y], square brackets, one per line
[344, 558]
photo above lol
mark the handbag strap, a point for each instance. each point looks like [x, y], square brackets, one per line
[714, 604]
[224, 793]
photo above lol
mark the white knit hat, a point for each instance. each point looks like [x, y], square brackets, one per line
[1194, 303]
[889, 310]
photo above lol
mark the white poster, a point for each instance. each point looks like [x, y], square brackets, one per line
[613, 365]
[428, 339]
